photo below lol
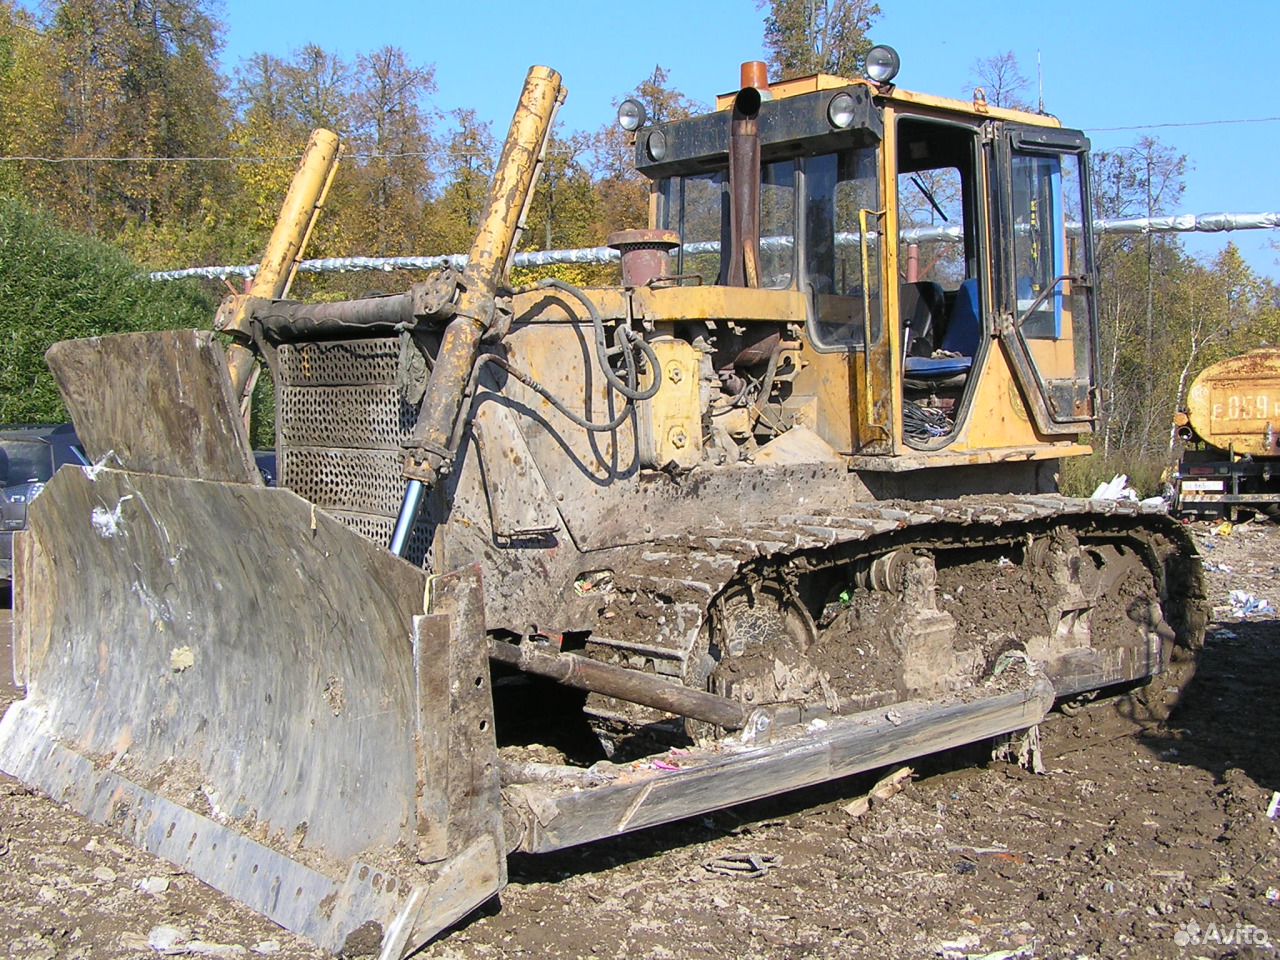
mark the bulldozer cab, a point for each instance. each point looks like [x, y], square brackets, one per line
[940, 249]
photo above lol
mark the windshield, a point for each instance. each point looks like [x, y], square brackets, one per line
[697, 207]
[22, 461]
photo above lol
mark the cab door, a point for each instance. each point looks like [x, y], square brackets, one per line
[1045, 285]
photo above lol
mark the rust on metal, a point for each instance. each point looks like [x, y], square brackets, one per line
[645, 254]
[586, 674]
[743, 268]
[1235, 404]
[755, 74]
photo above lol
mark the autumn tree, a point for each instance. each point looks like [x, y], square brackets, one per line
[30, 104]
[467, 166]
[392, 128]
[279, 101]
[622, 193]
[1001, 81]
[136, 80]
[1137, 276]
[818, 36]
[563, 211]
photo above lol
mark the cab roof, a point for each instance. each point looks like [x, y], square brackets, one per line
[889, 93]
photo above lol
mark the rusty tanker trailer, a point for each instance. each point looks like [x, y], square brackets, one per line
[549, 564]
[1230, 439]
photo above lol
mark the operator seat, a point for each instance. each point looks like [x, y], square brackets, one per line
[963, 334]
[921, 303]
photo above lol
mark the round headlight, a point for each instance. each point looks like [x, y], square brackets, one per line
[656, 145]
[631, 115]
[840, 111]
[882, 64]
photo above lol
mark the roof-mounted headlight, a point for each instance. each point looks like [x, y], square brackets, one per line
[883, 64]
[656, 146]
[840, 111]
[631, 115]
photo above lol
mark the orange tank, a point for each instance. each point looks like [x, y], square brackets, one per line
[1235, 404]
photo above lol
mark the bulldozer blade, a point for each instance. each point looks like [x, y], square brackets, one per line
[158, 402]
[240, 684]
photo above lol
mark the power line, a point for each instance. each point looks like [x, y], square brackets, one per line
[427, 155]
[247, 160]
[1186, 123]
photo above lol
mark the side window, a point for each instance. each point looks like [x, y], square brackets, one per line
[1039, 242]
[1052, 292]
[777, 224]
[838, 187]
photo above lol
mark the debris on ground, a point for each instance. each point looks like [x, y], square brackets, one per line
[747, 866]
[1117, 488]
[1245, 604]
[890, 786]
[1134, 833]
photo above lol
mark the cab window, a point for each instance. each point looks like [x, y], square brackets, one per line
[838, 187]
[697, 207]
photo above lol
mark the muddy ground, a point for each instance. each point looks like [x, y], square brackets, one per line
[1153, 842]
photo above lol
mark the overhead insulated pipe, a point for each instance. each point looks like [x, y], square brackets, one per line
[744, 178]
[428, 452]
[1178, 223]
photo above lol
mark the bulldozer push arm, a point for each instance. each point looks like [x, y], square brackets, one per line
[302, 206]
[641, 503]
[242, 684]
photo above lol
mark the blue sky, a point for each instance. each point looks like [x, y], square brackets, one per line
[1116, 64]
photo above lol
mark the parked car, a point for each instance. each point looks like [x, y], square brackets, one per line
[266, 461]
[29, 456]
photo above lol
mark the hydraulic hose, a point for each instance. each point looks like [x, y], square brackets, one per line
[602, 347]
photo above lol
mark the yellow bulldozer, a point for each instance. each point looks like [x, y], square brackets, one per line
[549, 564]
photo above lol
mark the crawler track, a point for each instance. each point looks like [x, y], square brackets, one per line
[1076, 584]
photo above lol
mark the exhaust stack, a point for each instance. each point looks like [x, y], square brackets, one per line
[744, 178]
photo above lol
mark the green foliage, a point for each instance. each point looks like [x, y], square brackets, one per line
[818, 36]
[262, 412]
[1080, 476]
[56, 285]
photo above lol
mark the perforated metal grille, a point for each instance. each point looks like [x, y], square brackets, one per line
[341, 362]
[341, 421]
[377, 529]
[367, 417]
[364, 480]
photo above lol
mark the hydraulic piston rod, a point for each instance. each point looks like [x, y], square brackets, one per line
[428, 448]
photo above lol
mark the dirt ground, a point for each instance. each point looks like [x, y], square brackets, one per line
[1149, 843]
